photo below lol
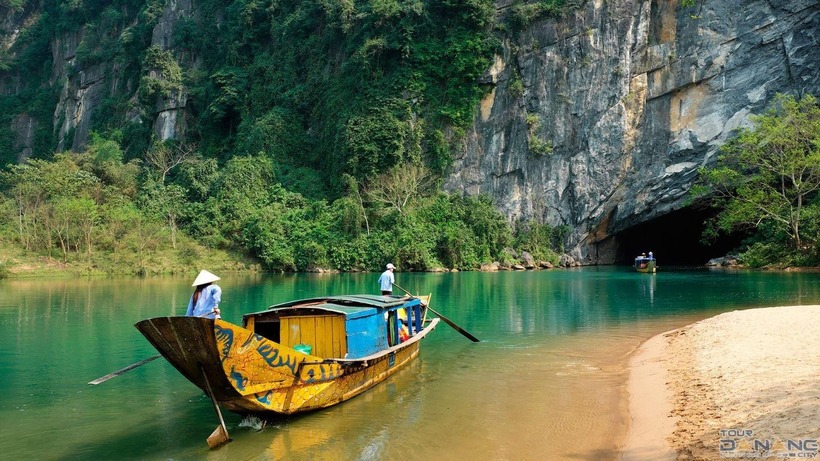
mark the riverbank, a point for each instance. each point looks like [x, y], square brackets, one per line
[740, 384]
[189, 258]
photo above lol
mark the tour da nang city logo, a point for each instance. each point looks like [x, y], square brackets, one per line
[744, 443]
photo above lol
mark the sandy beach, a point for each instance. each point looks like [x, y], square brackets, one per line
[744, 384]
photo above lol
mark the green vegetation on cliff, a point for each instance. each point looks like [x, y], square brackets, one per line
[767, 179]
[316, 134]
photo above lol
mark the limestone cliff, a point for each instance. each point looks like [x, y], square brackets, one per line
[629, 97]
[82, 86]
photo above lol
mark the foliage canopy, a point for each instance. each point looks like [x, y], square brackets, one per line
[767, 178]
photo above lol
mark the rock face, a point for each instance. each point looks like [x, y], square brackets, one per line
[169, 117]
[80, 95]
[83, 88]
[23, 127]
[629, 97]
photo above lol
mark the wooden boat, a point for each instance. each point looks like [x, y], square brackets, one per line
[296, 356]
[645, 264]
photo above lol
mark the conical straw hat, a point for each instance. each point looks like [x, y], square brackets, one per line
[204, 277]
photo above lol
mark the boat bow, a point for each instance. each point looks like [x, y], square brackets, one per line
[190, 345]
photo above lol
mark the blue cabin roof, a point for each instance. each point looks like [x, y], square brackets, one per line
[352, 306]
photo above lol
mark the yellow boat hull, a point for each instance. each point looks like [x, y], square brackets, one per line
[250, 374]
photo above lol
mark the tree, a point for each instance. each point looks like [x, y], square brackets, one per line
[769, 173]
[399, 186]
[73, 220]
[164, 156]
[165, 203]
[36, 186]
[23, 185]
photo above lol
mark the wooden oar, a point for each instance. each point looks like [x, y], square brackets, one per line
[220, 435]
[123, 370]
[446, 320]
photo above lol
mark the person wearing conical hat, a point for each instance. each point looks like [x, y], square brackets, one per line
[206, 298]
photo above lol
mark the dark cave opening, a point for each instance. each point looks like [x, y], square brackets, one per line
[675, 239]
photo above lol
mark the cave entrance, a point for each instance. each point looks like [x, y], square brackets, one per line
[675, 239]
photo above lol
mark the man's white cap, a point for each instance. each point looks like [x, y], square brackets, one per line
[390, 266]
[204, 277]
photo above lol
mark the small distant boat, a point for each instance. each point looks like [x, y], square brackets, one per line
[645, 263]
[297, 356]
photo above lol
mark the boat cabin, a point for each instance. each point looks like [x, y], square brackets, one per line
[345, 327]
[643, 260]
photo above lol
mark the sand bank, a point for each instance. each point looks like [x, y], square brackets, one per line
[741, 384]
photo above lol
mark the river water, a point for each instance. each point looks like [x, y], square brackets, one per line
[547, 381]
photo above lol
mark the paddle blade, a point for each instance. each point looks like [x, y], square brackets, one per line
[464, 332]
[218, 437]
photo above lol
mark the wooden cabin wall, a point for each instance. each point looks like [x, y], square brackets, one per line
[366, 335]
[324, 333]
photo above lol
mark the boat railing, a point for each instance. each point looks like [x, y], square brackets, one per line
[430, 326]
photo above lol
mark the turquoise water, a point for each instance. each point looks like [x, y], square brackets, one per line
[546, 382]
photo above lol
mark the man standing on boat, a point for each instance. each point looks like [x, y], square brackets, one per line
[206, 298]
[387, 279]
